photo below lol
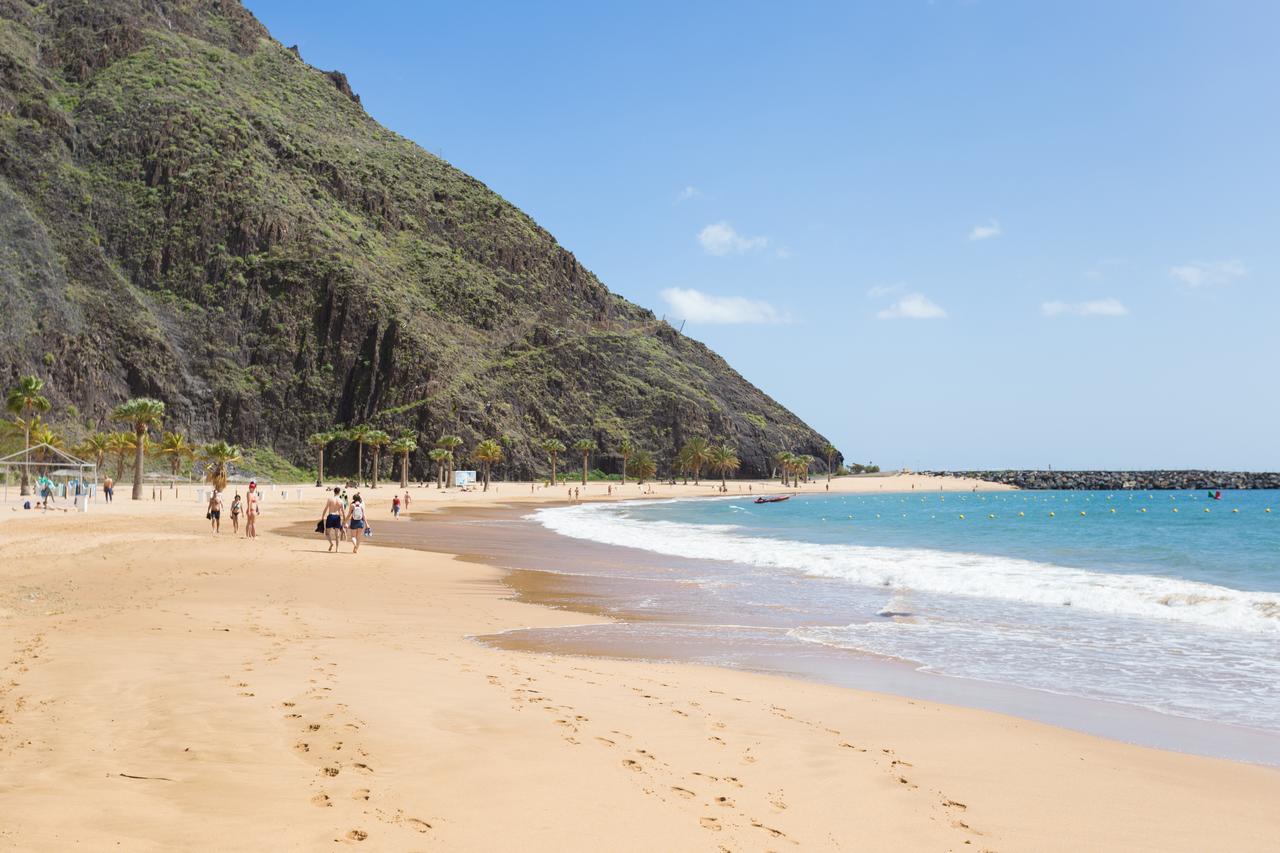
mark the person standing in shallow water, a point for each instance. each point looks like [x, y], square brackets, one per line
[332, 518]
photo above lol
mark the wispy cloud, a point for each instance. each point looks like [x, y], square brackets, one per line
[689, 193]
[698, 307]
[1200, 274]
[913, 306]
[782, 253]
[880, 291]
[985, 232]
[721, 239]
[1109, 307]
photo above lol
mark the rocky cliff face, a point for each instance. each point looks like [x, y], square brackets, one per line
[191, 212]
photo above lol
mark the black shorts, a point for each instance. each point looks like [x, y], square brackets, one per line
[333, 521]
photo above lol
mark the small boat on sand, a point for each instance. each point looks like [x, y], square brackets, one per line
[773, 499]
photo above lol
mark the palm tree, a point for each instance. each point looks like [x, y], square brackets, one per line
[552, 447]
[176, 447]
[141, 413]
[724, 461]
[440, 456]
[642, 465]
[96, 445]
[360, 435]
[377, 440]
[42, 433]
[320, 441]
[450, 443]
[783, 458]
[488, 453]
[800, 465]
[402, 447]
[221, 457]
[24, 399]
[626, 449]
[120, 443]
[584, 446]
[695, 454]
[829, 451]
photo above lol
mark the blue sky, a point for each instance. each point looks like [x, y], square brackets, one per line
[947, 234]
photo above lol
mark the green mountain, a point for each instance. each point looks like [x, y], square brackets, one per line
[189, 211]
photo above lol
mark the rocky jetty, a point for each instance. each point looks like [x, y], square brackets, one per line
[1117, 480]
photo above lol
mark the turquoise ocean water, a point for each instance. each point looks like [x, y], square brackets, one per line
[1168, 601]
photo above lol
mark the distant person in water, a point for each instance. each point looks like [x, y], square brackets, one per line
[236, 509]
[356, 522]
[214, 513]
[332, 519]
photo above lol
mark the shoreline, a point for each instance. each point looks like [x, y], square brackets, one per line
[525, 550]
[173, 689]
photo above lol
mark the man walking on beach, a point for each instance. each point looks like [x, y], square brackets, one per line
[215, 512]
[108, 488]
[332, 518]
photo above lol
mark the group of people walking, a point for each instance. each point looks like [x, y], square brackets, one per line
[339, 517]
[250, 508]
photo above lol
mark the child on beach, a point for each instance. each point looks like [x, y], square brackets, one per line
[235, 513]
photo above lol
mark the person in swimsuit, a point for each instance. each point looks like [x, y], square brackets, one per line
[108, 488]
[355, 522]
[235, 513]
[215, 512]
[332, 518]
[251, 511]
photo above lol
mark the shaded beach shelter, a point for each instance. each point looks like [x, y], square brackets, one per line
[37, 471]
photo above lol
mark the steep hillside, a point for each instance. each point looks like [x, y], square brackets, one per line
[189, 211]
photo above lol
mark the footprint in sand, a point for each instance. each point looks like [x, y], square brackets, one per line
[363, 768]
[632, 765]
[302, 747]
[605, 741]
[360, 794]
[331, 771]
[357, 835]
[724, 801]
[684, 792]
[322, 800]
[710, 823]
[415, 823]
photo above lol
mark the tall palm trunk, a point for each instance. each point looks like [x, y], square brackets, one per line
[553, 469]
[624, 469]
[404, 472]
[359, 462]
[320, 465]
[139, 453]
[373, 475]
[584, 468]
[486, 476]
[26, 457]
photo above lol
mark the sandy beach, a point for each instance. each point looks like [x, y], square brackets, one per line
[167, 689]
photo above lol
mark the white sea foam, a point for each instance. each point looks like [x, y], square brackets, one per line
[942, 572]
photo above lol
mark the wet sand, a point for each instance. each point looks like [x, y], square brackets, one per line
[605, 581]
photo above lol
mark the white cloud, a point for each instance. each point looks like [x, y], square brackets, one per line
[1198, 274]
[1109, 307]
[688, 194]
[985, 232]
[913, 306]
[698, 307]
[782, 253]
[880, 291]
[721, 239]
